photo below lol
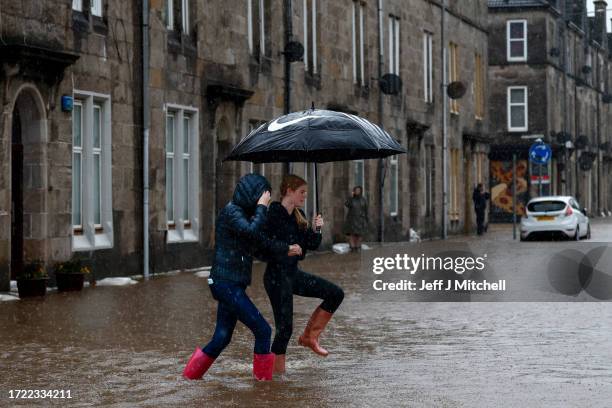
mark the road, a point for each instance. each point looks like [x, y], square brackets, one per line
[126, 346]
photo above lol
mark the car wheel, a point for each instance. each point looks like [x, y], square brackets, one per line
[588, 235]
[577, 236]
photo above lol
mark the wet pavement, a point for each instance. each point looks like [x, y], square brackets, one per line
[127, 346]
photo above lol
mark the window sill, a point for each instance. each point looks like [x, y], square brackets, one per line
[83, 243]
[174, 236]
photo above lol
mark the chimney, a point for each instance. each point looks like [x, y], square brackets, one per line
[600, 30]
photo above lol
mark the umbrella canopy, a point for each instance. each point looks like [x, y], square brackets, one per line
[315, 136]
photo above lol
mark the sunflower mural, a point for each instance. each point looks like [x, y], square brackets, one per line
[501, 188]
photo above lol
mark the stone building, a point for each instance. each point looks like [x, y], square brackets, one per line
[549, 70]
[71, 170]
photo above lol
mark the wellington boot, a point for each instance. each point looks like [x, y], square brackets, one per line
[198, 364]
[314, 328]
[263, 366]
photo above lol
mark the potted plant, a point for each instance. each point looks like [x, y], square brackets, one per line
[33, 280]
[70, 275]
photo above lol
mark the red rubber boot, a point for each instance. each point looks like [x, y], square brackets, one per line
[263, 366]
[198, 364]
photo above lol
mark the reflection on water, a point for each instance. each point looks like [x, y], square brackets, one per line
[127, 346]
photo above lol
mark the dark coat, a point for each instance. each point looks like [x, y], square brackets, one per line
[480, 200]
[284, 227]
[240, 232]
[357, 218]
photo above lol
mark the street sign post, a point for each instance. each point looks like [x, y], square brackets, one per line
[540, 153]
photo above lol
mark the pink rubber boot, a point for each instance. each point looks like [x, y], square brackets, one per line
[198, 364]
[263, 366]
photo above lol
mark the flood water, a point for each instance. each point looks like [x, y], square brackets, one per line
[127, 346]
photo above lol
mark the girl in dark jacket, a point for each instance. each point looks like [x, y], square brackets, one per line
[283, 278]
[239, 233]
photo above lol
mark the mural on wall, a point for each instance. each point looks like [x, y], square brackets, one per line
[501, 189]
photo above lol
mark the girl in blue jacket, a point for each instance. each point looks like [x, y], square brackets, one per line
[239, 233]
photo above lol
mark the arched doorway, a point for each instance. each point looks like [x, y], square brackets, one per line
[28, 179]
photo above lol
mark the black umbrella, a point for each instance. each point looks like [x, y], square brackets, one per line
[315, 136]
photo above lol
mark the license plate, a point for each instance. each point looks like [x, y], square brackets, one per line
[545, 218]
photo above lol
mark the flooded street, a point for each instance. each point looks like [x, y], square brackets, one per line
[127, 346]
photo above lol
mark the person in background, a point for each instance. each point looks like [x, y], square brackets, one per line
[480, 199]
[284, 279]
[239, 233]
[356, 224]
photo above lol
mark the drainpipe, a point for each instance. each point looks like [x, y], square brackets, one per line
[145, 130]
[444, 100]
[381, 164]
[288, 35]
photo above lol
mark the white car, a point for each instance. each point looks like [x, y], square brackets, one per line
[555, 214]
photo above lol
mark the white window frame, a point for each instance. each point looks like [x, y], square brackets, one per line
[358, 49]
[510, 105]
[77, 150]
[359, 181]
[510, 40]
[170, 14]
[96, 8]
[312, 33]
[260, 24]
[428, 180]
[394, 186]
[184, 230]
[185, 16]
[394, 46]
[92, 235]
[77, 5]
[427, 67]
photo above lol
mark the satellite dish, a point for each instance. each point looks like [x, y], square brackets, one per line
[390, 84]
[456, 90]
[294, 51]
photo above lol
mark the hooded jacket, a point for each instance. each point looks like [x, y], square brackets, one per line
[240, 232]
[284, 227]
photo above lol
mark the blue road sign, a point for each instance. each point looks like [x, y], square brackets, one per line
[540, 153]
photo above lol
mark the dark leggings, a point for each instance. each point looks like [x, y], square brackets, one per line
[282, 285]
[234, 305]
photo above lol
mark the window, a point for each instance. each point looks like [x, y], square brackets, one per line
[258, 23]
[182, 173]
[77, 5]
[394, 194]
[170, 14]
[516, 34]
[479, 97]
[427, 67]
[454, 186]
[453, 66]
[185, 16]
[394, 48]
[359, 174]
[358, 43]
[310, 29]
[92, 221]
[176, 9]
[517, 108]
[96, 8]
[429, 177]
